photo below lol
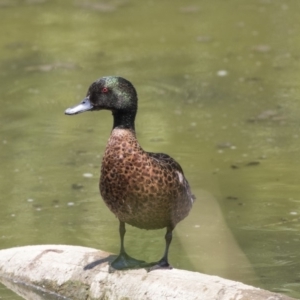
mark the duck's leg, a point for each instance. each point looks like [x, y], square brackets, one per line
[124, 261]
[163, 262]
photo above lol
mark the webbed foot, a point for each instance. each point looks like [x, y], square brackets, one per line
[124, 261]
[160, 265]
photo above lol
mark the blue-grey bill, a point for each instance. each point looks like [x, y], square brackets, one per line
[84, 105]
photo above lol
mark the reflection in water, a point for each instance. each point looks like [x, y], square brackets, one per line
[218, 91]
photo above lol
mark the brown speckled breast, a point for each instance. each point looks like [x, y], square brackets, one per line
[146, 190]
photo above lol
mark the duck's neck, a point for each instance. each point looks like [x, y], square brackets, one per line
[124, 119]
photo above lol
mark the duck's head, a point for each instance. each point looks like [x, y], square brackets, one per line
[110, 93]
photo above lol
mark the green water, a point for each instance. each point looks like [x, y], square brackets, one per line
[218, 85]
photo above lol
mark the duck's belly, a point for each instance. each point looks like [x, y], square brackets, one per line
[143, 199]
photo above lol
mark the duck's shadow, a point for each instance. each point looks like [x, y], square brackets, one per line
[109, 259]
[95, 263]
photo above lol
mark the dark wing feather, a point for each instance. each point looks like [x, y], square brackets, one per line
[168, 161]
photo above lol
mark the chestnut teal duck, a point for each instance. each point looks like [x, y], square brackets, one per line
[144, 189]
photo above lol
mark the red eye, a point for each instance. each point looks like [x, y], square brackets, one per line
[104, 90]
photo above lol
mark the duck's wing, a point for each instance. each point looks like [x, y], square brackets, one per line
[167, 161]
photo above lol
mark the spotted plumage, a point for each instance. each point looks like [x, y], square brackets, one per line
[142, 189]
[146, 190]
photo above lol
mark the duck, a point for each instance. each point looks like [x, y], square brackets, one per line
[143, 189]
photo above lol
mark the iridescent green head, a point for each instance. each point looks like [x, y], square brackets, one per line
[110, 93]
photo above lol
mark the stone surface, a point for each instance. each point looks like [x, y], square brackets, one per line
[83, 273]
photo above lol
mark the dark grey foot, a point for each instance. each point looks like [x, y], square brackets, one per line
[160, 265]
[124, 261]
